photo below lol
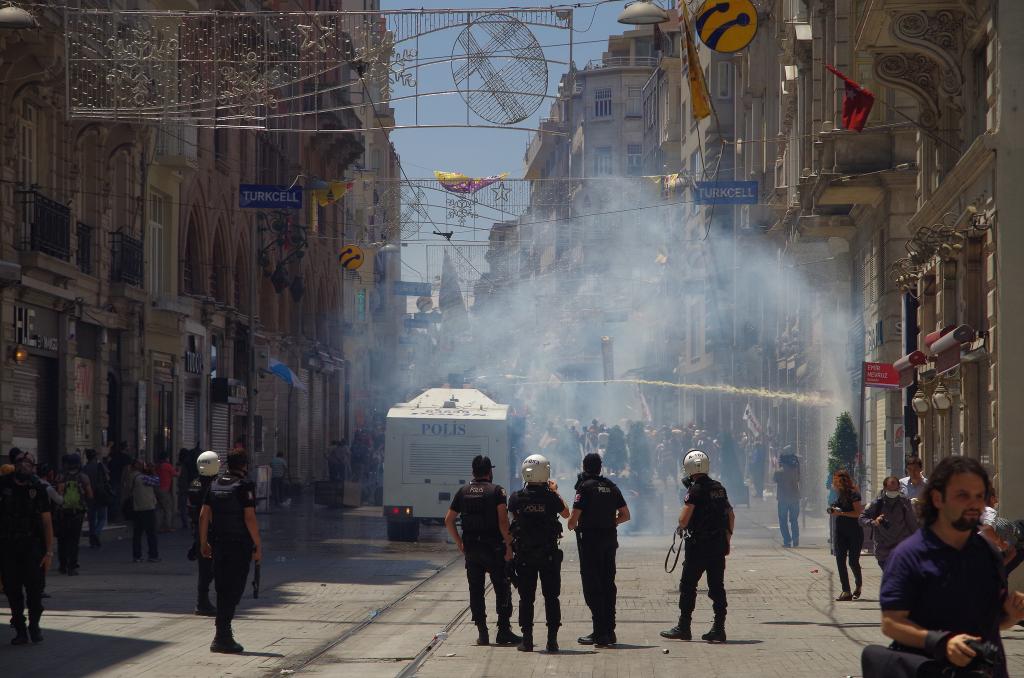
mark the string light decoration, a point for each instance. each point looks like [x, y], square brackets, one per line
[302, 71]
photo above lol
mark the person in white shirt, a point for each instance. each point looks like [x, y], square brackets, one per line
[913, 484]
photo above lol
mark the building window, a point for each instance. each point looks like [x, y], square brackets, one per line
[603, 161]
[634, 160]
[633, 102]
[123, 190]
[158, 220]
[27, 145]
[361, 305]
[724, 89]
[603, 102]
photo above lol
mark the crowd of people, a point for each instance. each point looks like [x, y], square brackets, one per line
[360, 461]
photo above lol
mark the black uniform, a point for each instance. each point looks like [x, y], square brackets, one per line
[22, 547]
[197, 490]
[228, 497]
[535, 534]
[705, 547]
[600, 500]
[477, 503]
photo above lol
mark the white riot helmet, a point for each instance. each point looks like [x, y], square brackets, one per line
[208, 463]
[695, 462]
[536, 469]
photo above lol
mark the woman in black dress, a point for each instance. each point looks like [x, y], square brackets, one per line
[848, 536]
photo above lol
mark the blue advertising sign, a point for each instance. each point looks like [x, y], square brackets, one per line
[404, 288]
[261, 196]
[726, 193]
[416, 323]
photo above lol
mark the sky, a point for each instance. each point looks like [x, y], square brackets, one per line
[477, 152]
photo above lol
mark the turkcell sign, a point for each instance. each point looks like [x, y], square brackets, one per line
[404, 288]
[726, 192]
[259, 196]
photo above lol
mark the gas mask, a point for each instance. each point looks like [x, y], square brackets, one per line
[892, 494]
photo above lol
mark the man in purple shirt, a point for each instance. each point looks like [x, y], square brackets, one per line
[945, 585]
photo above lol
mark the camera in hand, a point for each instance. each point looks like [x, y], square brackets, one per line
[834, 508]
[986, 658]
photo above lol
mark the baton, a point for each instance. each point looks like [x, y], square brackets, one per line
[256, 581]
[677, 550]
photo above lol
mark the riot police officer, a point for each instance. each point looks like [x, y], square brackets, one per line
[535, 534]
[229, 533]
[599, 508]
[26, 542]
[487, 545]
[707, 521]
[208, 465]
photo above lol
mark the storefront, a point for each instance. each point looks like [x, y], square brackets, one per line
[35, 398]
[192, 392]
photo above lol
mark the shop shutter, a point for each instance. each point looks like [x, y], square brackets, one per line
[190, 422]
[220, 428]
[23, 398]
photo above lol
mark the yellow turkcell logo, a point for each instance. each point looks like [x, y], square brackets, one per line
[726, 25]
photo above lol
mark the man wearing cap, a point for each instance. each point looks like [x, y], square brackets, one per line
[487, 545]
[26, 540]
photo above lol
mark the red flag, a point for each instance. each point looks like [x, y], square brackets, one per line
[857, 101]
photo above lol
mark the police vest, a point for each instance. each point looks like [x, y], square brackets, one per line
[228, 523]
[19, 520]
[710, 519]
[602, 503]
[479, 512]
[536, 529]
[196, 495]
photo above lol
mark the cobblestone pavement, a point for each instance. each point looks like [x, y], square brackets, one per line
[339, 600]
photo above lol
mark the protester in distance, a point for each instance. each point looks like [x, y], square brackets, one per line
[26, 543]
[597, 511]
[848, 537]
[165, 493]
[120, 463]
[486, 542]
[535, 535]
[707, 522]
[891, 518]
[787, 482]
[102, 496]
[76, 491]
[945, 587]
[141, 483]
[913, 484]
[207, 468]
[229, 533]
[278, 473]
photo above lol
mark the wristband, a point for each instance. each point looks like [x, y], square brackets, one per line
[935, 643]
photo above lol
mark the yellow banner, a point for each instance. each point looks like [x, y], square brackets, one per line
[701, 104]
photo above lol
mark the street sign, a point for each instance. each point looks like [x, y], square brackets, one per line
[405, 288]
[726, 25]
[881, 375]
[726, 193]
[351, 257]
[262, 196]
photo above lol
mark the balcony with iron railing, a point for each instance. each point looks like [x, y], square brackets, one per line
[84, 247]
[621, 62]
[126, 260]
[45, 225]
[177, 144]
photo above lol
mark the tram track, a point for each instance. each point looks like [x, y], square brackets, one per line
[379, 614]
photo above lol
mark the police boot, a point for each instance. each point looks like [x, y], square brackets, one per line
[552, 639]
[20, 634]
[224, 642]
[526, 645]
[204, 608]
[34, 632]
[680, 631]
[506, 637]
[482, 637]
[717, 632]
